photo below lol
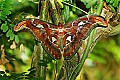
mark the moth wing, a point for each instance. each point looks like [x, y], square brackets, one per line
[45, 35]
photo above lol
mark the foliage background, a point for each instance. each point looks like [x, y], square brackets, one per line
[16, 50]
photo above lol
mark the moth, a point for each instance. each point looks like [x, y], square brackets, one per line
[62, 40]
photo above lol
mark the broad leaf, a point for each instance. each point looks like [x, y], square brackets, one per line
[10, 34]
[4, 27]
[16, 38]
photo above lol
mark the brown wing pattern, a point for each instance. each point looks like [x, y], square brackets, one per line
[42, 34]
[81, 30]
[60, 39]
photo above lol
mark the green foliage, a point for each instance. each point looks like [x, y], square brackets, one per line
[5, 22]
[5, 8]
[66, 10]
[113, 3]
[95, 3]
[10, 34]
[4, 27]
[89, 3]
[30, 75]
[16, 38]
[111, 46]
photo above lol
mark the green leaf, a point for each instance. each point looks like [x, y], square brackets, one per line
[5, 12]
[4, 27]
[107, 1]
[89, 3]
[74, 9]
[6, 5]
[11, 25]
[60, 3]
[1, 6]
[5, 8]
[16, 38]
[2, 18]
[66, 12]
[9, 20]
[112, 8]
[9, 1]
[115, 4]
[9, 33]
[111, 1]
[12, 36]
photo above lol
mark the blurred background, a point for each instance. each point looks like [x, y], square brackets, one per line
[103, 62]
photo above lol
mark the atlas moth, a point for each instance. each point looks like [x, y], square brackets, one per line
[62, 40]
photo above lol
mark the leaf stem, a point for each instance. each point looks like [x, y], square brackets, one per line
[84, 57]
[99, 9]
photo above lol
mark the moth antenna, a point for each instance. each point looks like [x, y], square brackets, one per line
[76, 7]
